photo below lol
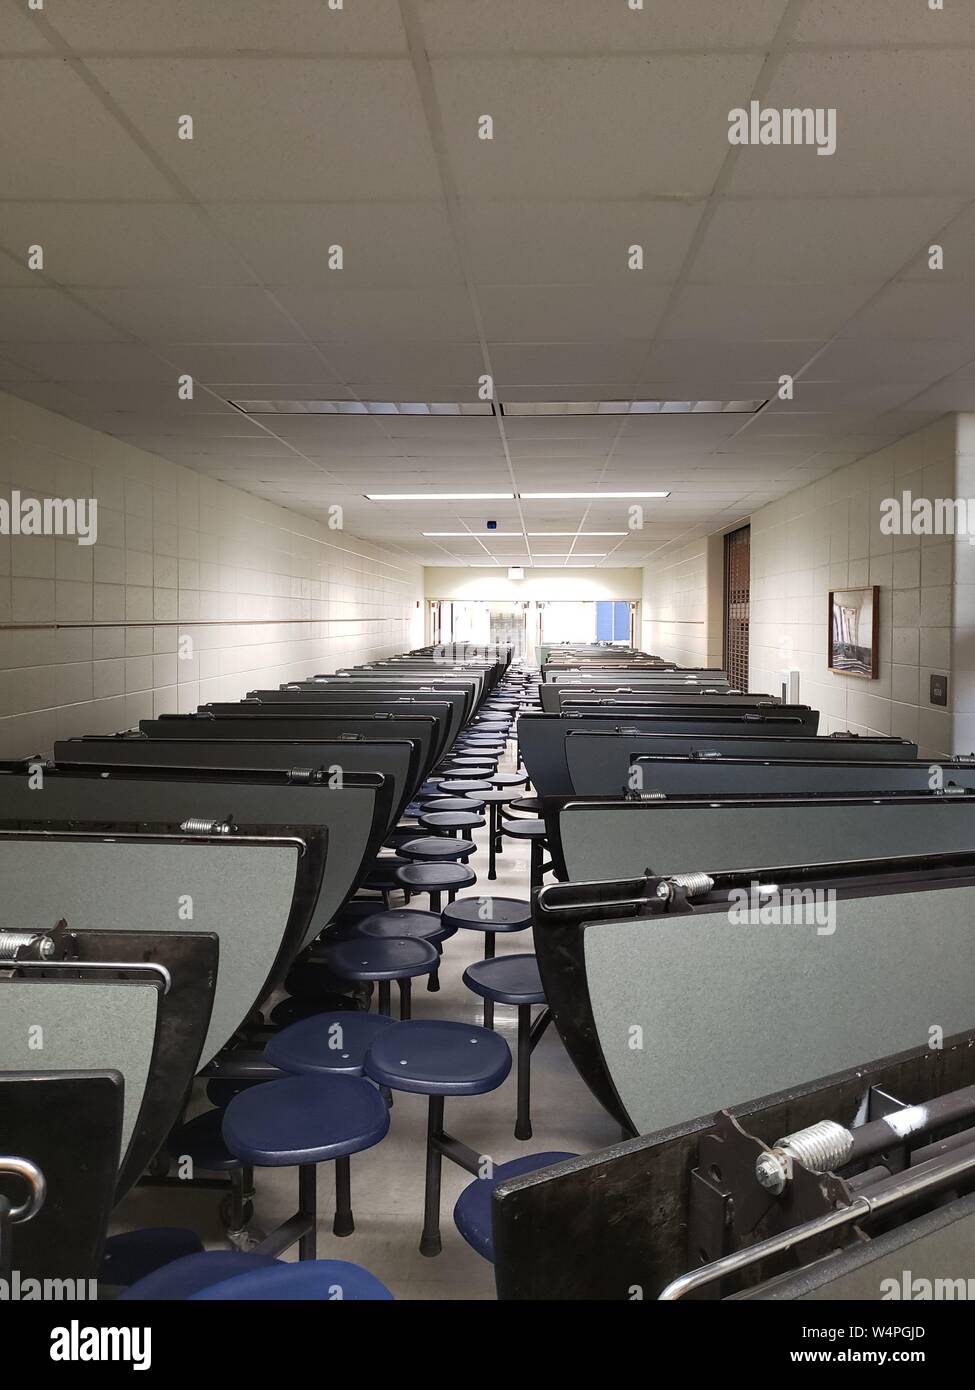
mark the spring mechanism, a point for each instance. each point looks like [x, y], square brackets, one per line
[694, 885]
[647, 796]
[301, 774]
[197, 825]
[25, 945]
[820, 1148]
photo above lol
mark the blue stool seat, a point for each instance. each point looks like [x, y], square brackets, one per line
[133, 1255]
[471, 802]
[489, 914]
[434, 1058]
[183, 1278]
[526, 828]
[201, 1139]
[441, 822]
[220, 1093]
[464, 784]
[382, 875]
[435, 849]
[326, 1281]
[305, 1119]
[294, 1010]
[422, 878]
[328, 1043]
[378, 958]
[506, 979]
[472, 1210]
[409, 923]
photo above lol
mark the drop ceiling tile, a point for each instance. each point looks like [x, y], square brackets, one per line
[577, 26]
[894, 107]
[914, 309]
[397, 244]
[765, 311]
[519, 364]
[280, 363]
[582, 313]
[41, 315]
[417, 363]
[673, 359]
[88, 361]
[883, 22]
[525, 243]
[146, 397]
[798, 240]
[60, 142]
[122, 244]
[566, 127]
[191, 313]
[228, 26]
[281, 127]
[890, 360]
[437, 314]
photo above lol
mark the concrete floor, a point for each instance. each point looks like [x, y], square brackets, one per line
[387, 1181]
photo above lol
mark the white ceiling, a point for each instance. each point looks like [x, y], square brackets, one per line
[508, 257]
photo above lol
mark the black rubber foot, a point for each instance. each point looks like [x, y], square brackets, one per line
[430, 1246]
[523, 1131]
[433, 984]
[343, 1226]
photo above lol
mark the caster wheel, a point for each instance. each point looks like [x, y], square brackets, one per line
[246, 1239]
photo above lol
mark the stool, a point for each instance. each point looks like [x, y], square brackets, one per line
[293, 1010]
[184, 1277]
[132, 1255]
[413, 925]
[324, 1281]
[435, 879]
[382, 876]
[455, 786]
[533, 830]
[300, 1122]
[201, 1141]
[332, 1044]
[510, 779]
[471, 801]
[438, 849]
[472, 1210]
[439, 1059]
[489, 915]
[449, 822]
[514, 980]
[480, 771]
[370, 958]
[494, 799]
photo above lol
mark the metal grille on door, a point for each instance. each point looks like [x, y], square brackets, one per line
[737, 574]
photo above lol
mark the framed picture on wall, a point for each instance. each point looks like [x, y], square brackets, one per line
[852, 638]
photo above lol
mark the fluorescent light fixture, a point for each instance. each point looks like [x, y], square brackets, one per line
[585, 496]
[567, 554]
[439, 497]
[476, 535]
[581, 534]
[304, 407]
[631, 407]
